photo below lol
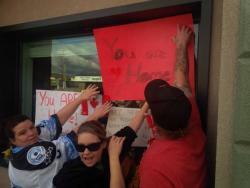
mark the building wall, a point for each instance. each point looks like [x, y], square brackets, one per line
[241, 123]
[229, 93]
[15, 11]
[222, 87]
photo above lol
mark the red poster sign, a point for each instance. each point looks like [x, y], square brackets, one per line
[131, 55]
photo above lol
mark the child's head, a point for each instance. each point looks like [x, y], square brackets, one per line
[91, 141]
[18, 130]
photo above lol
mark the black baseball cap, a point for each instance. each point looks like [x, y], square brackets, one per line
[169, 105]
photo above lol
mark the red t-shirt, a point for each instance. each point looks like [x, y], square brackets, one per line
[179, 163]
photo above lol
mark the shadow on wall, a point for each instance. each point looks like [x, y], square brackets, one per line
[4, 183]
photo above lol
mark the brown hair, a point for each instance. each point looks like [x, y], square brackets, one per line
[93, 127]
[6, 129]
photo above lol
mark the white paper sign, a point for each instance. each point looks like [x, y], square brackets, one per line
[49, 102]
[121, 117]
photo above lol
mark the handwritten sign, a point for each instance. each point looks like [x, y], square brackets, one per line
[121, 117]
[131, 55]
[49, 102]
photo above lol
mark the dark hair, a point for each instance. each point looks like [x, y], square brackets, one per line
[93, 127]
[6, 129]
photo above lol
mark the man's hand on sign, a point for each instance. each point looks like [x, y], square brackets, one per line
[183, 36]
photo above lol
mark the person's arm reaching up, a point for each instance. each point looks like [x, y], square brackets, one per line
[137, 120]
[67, 111]
[116, 176]
[99, 112]
[181, 40]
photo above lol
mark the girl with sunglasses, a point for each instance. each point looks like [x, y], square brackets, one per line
[92, 168]
[38, 152]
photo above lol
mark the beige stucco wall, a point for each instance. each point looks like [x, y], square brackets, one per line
[222, 87]
[20, 11]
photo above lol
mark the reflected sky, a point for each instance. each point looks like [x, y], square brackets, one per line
[75, 56]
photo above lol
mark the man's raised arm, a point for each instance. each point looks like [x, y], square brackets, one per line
[181, 40]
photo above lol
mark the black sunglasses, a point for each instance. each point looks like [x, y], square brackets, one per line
[90, 147]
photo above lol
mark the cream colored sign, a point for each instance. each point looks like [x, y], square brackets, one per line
[121, 117]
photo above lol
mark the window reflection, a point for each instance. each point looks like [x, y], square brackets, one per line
[74, 63]
[70, 63]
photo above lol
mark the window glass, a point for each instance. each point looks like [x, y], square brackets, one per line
[74, 62]
[68, 64]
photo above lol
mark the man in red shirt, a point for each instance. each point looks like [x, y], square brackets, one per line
[176, 158]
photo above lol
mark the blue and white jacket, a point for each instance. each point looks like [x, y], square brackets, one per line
[36, 165]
